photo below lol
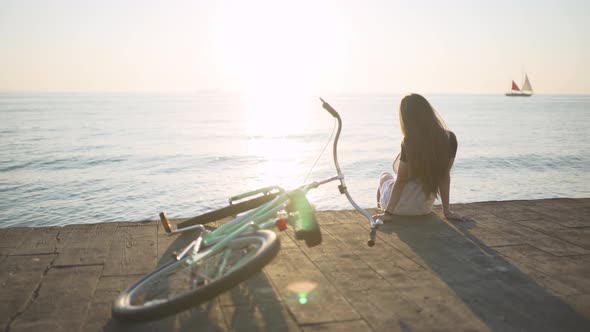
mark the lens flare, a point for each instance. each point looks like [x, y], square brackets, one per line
[302, 298]
[302, 289]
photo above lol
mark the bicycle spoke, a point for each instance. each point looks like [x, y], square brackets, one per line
[240, 259]
[192, 274]
[223, 262]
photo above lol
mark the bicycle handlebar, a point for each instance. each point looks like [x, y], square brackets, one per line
[329, 108]
[374, 223]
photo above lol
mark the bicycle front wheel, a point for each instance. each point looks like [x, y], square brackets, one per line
[182, 284]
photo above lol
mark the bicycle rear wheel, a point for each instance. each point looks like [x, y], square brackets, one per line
[182, 284]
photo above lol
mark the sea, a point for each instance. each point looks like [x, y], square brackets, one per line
[87, 158]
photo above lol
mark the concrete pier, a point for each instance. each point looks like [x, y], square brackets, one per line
[518, 266]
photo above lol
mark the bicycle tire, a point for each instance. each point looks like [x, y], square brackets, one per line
[127, 308]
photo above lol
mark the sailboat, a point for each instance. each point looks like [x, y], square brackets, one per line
[526, 90]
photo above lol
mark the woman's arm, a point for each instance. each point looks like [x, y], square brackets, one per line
[398, 187]
[444, 187]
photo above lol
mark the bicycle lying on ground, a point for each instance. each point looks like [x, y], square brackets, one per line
[218, 260]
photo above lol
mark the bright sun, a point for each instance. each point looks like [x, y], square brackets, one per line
[274, 60]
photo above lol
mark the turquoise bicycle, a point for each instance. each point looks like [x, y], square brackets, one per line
[218, 260]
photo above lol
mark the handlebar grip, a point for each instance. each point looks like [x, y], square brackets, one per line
[330, 109]
[372, 236]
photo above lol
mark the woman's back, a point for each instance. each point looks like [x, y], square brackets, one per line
[428, 146]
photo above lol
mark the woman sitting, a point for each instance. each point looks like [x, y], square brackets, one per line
[423, 167]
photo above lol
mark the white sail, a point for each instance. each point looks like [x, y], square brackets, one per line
[527, 85]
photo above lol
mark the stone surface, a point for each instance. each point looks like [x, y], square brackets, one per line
[42, 240]
[85, 245]
[61, 301]
[133, 250]
[20, 279]
[516, 266]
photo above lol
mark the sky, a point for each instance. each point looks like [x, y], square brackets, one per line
[302, 46]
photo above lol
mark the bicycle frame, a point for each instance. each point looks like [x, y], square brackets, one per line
[265, 216]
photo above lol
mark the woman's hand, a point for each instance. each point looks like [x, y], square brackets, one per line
[383, 216]
[451, 216]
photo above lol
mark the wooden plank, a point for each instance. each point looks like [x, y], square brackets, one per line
[42, 240]
[348, 235]
[517, 304]
[442, 309]
[423, 274]
[62, 301]
[467, 210]
[544, 261]
[572, 271]
[429, 226]
[19, 278]
[85, 245]
[579, 237]
[550, 284]
[581, 303]
[490, 221]
[387, 309]
[11, 238]
[340, 260]
[310, 297]
[514, 233]
[328, 217]
[492, 238]
[521, 215]
[579, 221]
[358, 279]
[556, 246]
[564, 211]
[545, 225]
[258, 289]
[389, 256]
[256, 316]
[207, 317]
[501, 236]
[563, 204]
[287, 238]
[490, 207]
[348, 217]
[348, 326]
[326, 249]
[450, 258]
[133, 251]
[98, 316]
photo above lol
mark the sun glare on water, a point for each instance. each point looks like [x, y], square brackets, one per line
[275, 55]
[276, 124]
[273, 113]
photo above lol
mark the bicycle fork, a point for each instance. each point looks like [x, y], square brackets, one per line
[374, 224]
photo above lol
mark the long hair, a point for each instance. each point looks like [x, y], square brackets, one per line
[426, 141]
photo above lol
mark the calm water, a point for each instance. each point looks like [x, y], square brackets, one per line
[68, 159]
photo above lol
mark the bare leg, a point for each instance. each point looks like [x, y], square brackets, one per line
[384, 177]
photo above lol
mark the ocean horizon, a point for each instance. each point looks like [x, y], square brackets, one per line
[78, 158]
